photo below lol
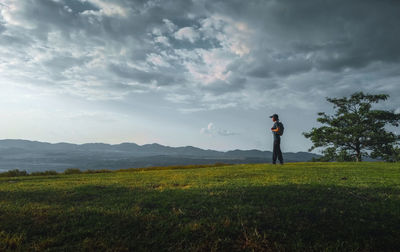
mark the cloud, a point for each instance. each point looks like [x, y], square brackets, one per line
[169, 25]
[213, 54]
[162, 40]
[333, 35]
[109, 8]
[187, 33]
[211, 130]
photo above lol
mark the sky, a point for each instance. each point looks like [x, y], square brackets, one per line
[204, 73]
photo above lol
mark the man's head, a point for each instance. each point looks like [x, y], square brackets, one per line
[274, 117]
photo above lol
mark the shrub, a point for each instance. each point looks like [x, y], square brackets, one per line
[13, 173]
[218, 164]
[44, 173]
[97, 171]
[72, 171]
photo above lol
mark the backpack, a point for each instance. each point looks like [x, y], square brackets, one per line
[281, 128]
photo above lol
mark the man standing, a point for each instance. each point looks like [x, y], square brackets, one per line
[277, 131]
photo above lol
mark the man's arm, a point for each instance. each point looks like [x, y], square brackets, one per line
[275, 128]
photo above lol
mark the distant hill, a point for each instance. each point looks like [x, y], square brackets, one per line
[40, 156]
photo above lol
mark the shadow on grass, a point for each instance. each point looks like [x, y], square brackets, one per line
[291, 217]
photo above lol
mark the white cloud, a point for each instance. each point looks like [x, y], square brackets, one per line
[157, 60]
[109, 8]
[169, 25]
[211, 130]
[232, 35]
[11, 13]
[179, 98]
[187, 33]
[162, 40]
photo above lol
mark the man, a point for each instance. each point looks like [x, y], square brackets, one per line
[277, 130]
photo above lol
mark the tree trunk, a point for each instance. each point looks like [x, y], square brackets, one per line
[358, 156]
[358, 153]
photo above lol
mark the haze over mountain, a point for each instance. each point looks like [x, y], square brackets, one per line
[40, 156]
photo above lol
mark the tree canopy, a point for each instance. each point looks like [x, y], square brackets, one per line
[356, 130]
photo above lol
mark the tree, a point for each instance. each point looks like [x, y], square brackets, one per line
[394, 155]
[355, 130]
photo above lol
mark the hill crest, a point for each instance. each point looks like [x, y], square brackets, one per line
[39, 156]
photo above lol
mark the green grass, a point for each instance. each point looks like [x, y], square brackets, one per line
[298, 206]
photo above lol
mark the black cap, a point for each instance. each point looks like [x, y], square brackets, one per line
[274, 116]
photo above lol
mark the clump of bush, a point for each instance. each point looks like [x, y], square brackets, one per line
[72, 171]
[44, 173]
[97, 171]
[13, 173]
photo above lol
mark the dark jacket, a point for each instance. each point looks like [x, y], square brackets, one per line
[274, 130]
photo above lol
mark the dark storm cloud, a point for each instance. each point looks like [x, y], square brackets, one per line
[336, 34]
[296, 45]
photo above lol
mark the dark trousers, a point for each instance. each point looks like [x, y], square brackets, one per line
[277, 153]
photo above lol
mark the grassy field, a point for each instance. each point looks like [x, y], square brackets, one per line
[298, 206]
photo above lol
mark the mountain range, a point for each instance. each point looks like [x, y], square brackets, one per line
[40, 156]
